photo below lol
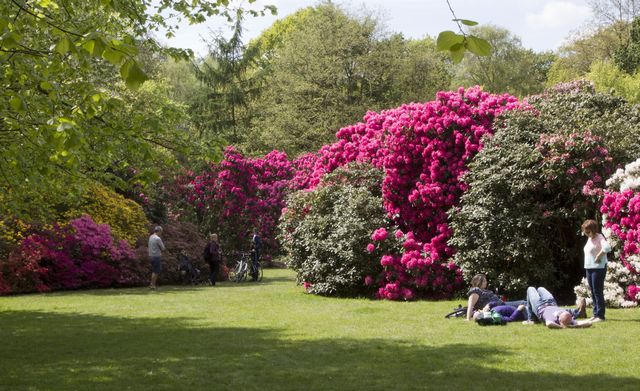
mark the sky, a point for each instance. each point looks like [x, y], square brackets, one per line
[540, 24]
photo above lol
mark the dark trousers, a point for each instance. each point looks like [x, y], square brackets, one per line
[595, 277]
[255, 258]
[214, 267]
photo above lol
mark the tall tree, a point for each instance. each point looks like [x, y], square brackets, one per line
[329, 70]
[509, 68]
[232, 77]
[584, 48]
[627, 57]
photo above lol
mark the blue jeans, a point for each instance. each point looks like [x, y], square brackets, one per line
[537, 298]
[255, 258]
[596, 277]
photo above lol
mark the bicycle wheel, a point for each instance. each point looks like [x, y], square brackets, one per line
[239, 272]
[232, 274]
[244, 272]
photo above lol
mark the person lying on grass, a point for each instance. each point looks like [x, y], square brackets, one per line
[543, 305]
[508, 312]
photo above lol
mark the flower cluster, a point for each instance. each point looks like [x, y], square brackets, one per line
[578, 162]
[239, 194]
[81, 254]
[412, 274]
[621, 210]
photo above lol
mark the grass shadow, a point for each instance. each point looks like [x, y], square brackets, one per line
[44, 350]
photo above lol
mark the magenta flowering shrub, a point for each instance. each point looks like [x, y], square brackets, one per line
[238, 194]
[81, 254]
[423, 150]
[413, 275]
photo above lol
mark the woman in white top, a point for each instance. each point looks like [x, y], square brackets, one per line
[595, 264]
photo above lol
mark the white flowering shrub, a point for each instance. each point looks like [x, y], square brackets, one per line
[618, 278]
[621, 226]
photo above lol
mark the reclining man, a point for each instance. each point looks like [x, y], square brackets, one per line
[542, 304]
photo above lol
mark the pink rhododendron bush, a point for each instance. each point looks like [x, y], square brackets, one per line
[80, 254]
[239, 194]
[423, 151]
[621, 214]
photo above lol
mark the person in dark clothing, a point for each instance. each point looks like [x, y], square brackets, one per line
[256, 247]
[211, 255]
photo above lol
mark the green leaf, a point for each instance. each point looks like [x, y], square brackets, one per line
[17, 104]
[113, 56]
[94, 46]
[10, 40]
[447, 39]
[65, 124]
[478, 46]
[466, 22]
[48, 4]
[457, 52]
[45, 85]
[132, 74]
[72, 141]
[63, 46]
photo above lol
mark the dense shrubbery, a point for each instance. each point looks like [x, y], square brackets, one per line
[621, 213]
[80, 254]
[238, 194]
[575, 108]
[326, 232]
[423, 150]
[531, 187]
[125, 217]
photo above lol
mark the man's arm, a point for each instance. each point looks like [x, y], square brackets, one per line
[553, 325]
[581, 324]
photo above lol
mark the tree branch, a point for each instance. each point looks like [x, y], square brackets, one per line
[20, 6]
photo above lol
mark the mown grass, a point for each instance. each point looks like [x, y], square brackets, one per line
[273, 336]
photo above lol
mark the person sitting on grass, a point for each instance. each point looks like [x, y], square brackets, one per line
[480, 296]
[542, 304]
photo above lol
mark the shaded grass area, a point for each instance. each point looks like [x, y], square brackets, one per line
[272, 336]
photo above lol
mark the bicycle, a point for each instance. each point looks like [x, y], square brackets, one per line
[241, 270]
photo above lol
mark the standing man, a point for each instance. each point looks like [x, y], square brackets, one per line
[212, 257]
[155, 255]
[256, 246]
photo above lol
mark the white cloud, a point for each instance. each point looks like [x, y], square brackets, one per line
[558, 14]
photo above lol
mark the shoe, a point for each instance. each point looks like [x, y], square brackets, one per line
[595, 319]
[528, 322]
[582, 308]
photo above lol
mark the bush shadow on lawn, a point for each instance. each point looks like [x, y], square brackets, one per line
[44, 350]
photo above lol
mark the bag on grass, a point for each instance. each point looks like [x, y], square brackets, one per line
[490, 318]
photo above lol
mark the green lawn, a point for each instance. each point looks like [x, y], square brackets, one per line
[273, 336]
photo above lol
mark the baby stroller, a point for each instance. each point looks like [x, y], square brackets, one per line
[189, 273]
